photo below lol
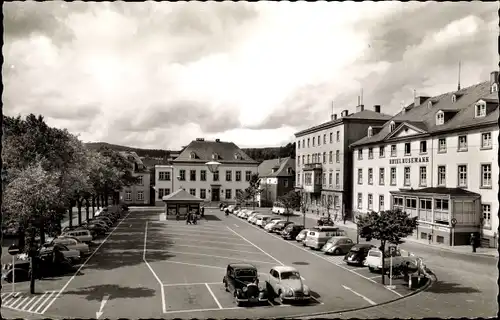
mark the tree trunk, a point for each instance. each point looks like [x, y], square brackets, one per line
[79, 203]
[42, 232]
[106, 196]
[32, 275]
[93, 205]
[98, 201]
[382, 247]
[22, 240]
[70, 216]
[87, 211]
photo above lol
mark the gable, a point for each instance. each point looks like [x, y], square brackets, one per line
[405, 130]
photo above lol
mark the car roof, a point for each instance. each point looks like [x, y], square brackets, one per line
[238, 266]
[281, 269]
[363, 245]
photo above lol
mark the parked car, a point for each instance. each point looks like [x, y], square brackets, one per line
[242, 280]
[223, 206]
[70, 254]
[286, 283]
[279, 226]
[72, 244]
[325, 221]
[291, 231]
[271, 224]
[358, 253]
[83, 235]
[268, 221]
[318, 236]
[102, 223]
[95, 229]
[251, 215]
[374, 260]
[106, 219]
[261, 219]
[278, 208]
[254, 218]
[302, 235]
[46, 268]
[337, 245]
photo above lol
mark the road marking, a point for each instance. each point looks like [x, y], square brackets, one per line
[237, 226]
[204, 247]
[188, 284]
[5, 296]
[43, 303]
[374, 277]
[208, 241]
[242, 237]
[20, 303]
[356, 269]
[163, 303]
[13, 303]
[28, 303]
[317, 300]
[203, 310]
[213, 295]
[193, 264]
[196, 235]
[83, 265]
[220, 257]
[36, 303]
[360, 295]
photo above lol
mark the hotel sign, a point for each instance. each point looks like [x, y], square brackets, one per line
[409, 160]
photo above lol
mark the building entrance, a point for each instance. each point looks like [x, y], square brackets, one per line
[215, 194]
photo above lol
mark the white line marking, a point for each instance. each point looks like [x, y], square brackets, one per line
[20, 303]
[213, 295]
[374, 277]
[188, 284]
[208, 241]
[163, 303]
[360, 295]
[220, 257]
[193, 264]
[13, 303]
[272, 304]
[8, 301]
[191, 235]
[256, 246]
[38, 301]
[356, 269]
[7, 295]
[317, 300]
[28, 303]
[183, 226]
[43, 303]
[202, 310]
[237, 226]
[303, 279]
[83, 265]
[203, 247]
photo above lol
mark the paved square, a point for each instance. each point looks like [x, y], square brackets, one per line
[189, 298]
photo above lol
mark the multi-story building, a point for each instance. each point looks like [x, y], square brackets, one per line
[277, 178]
[323, 161]
[436, 159]
[137, 194]
[190, 172]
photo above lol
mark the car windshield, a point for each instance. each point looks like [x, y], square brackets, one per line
[246, 273]
[290, 275]
[355, 248]
[375, 254]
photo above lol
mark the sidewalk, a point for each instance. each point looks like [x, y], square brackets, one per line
[491, 252]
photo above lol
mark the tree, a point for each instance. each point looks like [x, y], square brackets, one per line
[254, 188]
[291, 200]
[387, 226]
[242, 197]
[328, 205]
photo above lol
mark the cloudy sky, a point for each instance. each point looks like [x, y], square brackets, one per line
[157, 75]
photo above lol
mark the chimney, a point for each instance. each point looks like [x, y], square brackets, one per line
[360, 108]
[217, 140]
[493, 77]
[200, 139]
[334, 116]
[344, 113]
[376, 108]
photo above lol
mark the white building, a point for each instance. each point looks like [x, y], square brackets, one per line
[190, 172]
[437, 159]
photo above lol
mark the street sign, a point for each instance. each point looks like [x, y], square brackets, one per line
[13, 250]
[453, 222]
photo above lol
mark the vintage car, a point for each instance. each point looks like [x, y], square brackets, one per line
[242, 280]
[358, 253]
[72, 255]
[374, 259]
[279, 226]
[270, 225]
[291, 231]
[286, 283]
[338, 245]
[46, 268]
[302, 235]
[72, 243]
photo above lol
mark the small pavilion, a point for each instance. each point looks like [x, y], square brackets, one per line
[180, 203]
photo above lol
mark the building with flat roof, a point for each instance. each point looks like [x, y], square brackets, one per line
[277, 178]
[436, 159]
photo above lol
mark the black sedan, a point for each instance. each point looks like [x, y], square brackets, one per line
[278, 227]
[358, 254]
[242, 280]
[291, 231]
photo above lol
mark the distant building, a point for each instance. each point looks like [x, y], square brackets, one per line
[137, 194]
[436, 159]
[277, 178]
[189, 171]
[324, 161]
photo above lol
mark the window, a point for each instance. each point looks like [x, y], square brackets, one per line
[397, 202]
[441, 205]
[360, 176]
[319, 140]
[167, 191]
[337, 156]
[360, 201]
[486, 140]
[423, 177]
[486, 175]
[480, 109]
[308, 140]
[393, 126]
[336, 202]
[228, 193]
[192, 155]
[139, 181]
[216, 175]
[248, 174]
[298, 145]
[229, 175]
[237, 156]
[370, 153]
[324, 178]
[298, 164]
[308, 158]
[298, 179]
[381, 176]
[338, 136]
[203, 193]
[164, 176]
[423, 146]
[360, 154]
[140, 195]
[486, 215]
[411, 203]
[330, 157]
[128, 196]
[314, 141]
[441, 175]
[407, 176]
[381, 152]
[203, 175]
[324, 157]
[324, 138]
[442, 145]
[192, 175]
[308, 179]
[439, 118]
[337, 179]
[215, 156]
[331, 137]
[381, 203]
[161, 193]
[370, 176]
[330, 178]
[238, 176]
[370, 201]
[393, 150]
[494, 88]
[192, 192]
[182, 175]
[462, 143]
[285, 183]
[453, 98]
[303, 160]
[393, 176]
[407, 149]
[462, 176]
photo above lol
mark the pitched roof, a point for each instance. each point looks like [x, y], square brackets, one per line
[424, 117]
[203, 151]
[133, 157]
[440, 190]
[280, 167]
[182, 196]
[151, 162]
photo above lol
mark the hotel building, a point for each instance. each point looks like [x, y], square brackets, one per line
[436, 159]
[324, 161]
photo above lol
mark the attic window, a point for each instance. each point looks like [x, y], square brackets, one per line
[453, 98]
[393, 126]
[480, 109]
[215, 156]
[192, 155]
[237, 156]
[494, 88]
[289, 170]
[440, 118]
[429, 104]
[370, 132]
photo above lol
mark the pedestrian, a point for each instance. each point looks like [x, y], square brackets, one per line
[202, 211]
[473, 241]
[430, 238]
[188, 218]
[195, 218]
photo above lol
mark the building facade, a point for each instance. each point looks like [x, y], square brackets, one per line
[436, 159]
[323, 161]
[137, 194]
[277, 178]
[190, 172]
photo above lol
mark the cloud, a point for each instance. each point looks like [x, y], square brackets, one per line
[158, 74]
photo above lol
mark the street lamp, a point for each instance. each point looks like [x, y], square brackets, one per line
[213, 166]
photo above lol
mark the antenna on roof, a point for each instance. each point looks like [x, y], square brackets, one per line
[459, 67]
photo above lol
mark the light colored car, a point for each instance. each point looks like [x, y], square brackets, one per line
[244, 213]
[270, 225]
[262, 219]
[278, 208]
[106, 219]
[73, 255]
[286, 283]
[317, 237]
[72, 244]
[374, 260]
[84, 235]
[302, 235]
[338, 245]
[254, 218]
[268, 221]
[251, 215]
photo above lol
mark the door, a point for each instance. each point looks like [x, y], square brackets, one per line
[215, 194]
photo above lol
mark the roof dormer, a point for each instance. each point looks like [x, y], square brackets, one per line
[393, 126]
[480, 109]
[192, 155]
[429, 104]
[289, 170]
[215, 156]
[439, 118]
[237, 156]
[494, 87]
[454, 98]
[370, 132]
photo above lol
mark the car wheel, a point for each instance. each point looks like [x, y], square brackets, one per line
[282, 297]
[371, 269]
[337, 252]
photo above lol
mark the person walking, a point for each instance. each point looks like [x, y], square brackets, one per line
[202, 211]
[473, 242]
[188, 218]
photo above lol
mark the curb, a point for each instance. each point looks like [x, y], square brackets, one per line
[432, 280]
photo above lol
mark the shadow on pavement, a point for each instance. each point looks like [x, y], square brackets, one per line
[211, 217]
[447, 287]
[113, 290]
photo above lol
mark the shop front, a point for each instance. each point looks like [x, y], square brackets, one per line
[180, 203]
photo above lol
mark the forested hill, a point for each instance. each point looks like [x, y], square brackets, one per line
[258, 154]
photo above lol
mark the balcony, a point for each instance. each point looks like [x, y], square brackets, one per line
[313, 166]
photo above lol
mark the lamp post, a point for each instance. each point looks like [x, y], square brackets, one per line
[213, 167]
